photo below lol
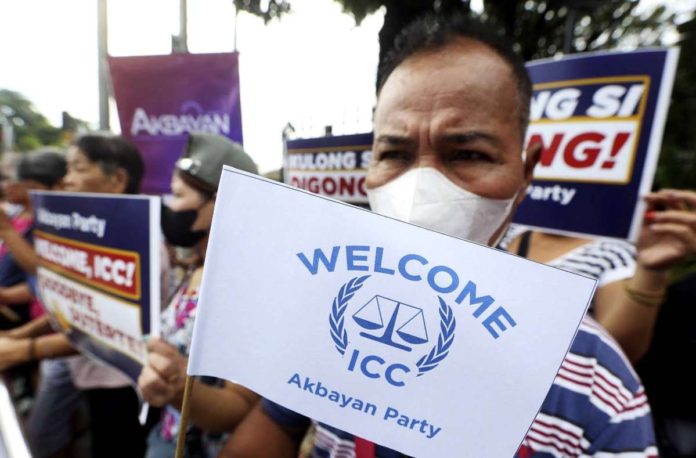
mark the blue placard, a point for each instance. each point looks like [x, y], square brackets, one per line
[599, 118]
[99, 275]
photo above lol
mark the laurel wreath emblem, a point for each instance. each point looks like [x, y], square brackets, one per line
[425, 364]
[444, 340]
[338, 309]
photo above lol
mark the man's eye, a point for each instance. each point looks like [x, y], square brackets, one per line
[394, 155]
[468, 155]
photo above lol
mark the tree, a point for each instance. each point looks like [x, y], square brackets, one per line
[31, 128]
[544, 28]
[677, 166]
[397, 14]
[539, 28]
[267, 10]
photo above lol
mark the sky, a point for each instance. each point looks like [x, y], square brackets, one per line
[312, 68]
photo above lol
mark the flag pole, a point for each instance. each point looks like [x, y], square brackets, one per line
[183, 421]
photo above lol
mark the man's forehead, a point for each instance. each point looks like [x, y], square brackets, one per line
[463, 62]
[464, 66]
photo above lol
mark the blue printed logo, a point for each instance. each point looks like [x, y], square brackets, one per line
[403, 320]
[394, 324]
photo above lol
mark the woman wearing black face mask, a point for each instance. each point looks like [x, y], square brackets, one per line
[177, 225]
[216, 406]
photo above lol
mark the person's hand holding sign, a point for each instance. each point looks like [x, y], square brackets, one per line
[667, 238]
[669, 233]
[215, 409]
[162, 379]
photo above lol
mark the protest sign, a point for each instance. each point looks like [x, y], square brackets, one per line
[599, 118]
[162, 98]
[99, 277]
[409, 338]
[333, 166]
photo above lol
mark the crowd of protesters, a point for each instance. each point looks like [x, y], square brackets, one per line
[450, 121]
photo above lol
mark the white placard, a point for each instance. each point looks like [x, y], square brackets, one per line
[415, 340]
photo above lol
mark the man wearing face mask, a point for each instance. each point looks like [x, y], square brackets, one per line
[449, 127]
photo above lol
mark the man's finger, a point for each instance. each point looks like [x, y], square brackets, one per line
[676, 217]
[154, 390]
[164, 366]
[681, 232]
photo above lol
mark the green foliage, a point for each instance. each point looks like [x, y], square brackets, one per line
[267, 10]
[31, 128]
[361, 8]
[677, 166]
[539, 27]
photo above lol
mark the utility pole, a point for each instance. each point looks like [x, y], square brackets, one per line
[103, 50]
[180, 41]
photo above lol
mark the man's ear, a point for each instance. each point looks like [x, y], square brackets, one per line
[531, 159]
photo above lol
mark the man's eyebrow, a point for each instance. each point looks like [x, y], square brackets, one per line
[466, 137]
[396, 140]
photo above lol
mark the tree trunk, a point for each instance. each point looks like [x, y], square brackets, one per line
[398, 15]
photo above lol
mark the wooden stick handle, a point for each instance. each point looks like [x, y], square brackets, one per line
[183, 421]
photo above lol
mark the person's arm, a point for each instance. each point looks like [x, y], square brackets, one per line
[631, 322]
[628, 309]
[24, 350]
[259, 436]
[16, 294]
[21, 249]
[213, 409]
[36, 327]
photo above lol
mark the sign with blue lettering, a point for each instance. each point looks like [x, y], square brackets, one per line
[400, 335]
[599, 118]
[100, 272]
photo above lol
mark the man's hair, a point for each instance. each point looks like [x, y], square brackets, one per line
[112, 153]
[435, 31]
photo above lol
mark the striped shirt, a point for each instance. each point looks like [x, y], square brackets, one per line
[605, 260]
[595, 407]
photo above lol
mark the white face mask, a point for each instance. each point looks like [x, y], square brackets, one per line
[425, 197]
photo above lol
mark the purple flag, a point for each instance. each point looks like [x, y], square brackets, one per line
[162, 98]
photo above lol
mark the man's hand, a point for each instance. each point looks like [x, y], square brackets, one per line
[163, 378]
[14, 352]
[669, 233]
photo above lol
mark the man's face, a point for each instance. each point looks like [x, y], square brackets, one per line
[455, 110]
[87, 176]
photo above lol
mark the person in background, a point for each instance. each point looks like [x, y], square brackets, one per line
[216, 405]
[99, 164]
[449, 128]
[632, 280]
[41, 170]
[8, 168]
[669, 378]
[38, 170]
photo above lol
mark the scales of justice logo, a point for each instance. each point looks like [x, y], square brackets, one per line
[393, 323]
